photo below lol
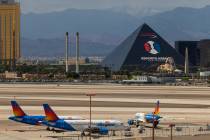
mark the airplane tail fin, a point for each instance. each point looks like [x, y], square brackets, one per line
[17, 110]
[49, 113]
[157, 108]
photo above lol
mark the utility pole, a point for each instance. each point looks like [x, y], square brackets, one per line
[67, 52]
[77, 52]
[153, 126]
[186, 70]
[90, 95]
[171, 126]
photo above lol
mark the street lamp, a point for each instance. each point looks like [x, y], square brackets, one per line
[171, 126]
[153, 126]
[90, 95]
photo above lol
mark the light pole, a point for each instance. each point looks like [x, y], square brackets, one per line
[153, 127]
[171, 126]
[90, 95]
[67, 52]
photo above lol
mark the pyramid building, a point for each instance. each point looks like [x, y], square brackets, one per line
[144, 49]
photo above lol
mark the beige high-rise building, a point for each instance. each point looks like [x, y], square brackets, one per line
[9, 32]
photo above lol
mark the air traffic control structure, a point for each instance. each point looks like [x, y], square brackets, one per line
[144, 49]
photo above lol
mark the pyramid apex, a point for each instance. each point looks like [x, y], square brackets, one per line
[145, 24]
[146, 28]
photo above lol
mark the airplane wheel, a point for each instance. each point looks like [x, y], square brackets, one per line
[114, 134]
[48, 128]
[83, 134]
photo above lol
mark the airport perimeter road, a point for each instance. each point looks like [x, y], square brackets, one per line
[178, 104]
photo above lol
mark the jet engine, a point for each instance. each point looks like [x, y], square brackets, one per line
[101, 130]
[130, 122]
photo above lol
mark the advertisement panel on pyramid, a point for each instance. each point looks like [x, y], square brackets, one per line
[144, 49]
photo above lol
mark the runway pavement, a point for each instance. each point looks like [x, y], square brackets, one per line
[178, 104]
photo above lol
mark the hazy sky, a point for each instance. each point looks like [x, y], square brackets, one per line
[130, 6]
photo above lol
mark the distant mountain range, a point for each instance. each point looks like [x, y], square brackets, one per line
[90, 23]
[182, 23]
[56, 48]
[102, 30]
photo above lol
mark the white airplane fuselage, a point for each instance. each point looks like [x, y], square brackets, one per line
[84, 125]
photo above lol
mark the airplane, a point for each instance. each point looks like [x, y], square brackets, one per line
[153, 118]
[97, 126]
[21, 117]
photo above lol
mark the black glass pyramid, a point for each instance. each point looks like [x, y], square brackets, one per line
[142, 50]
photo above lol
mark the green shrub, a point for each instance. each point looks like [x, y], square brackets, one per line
[185, 78]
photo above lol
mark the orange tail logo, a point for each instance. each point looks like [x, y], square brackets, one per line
[17, 110]
[157, 108]
[50, 114]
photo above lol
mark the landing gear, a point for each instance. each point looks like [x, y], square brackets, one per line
[113, 133]
[141, 129]
[53, 129]
[83, 134]
[48, 128]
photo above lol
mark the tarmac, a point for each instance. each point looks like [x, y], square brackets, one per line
[184, 106]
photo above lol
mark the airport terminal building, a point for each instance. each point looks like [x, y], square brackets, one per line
[143, 50]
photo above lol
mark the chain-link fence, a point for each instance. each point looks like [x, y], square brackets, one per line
[135, 133]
